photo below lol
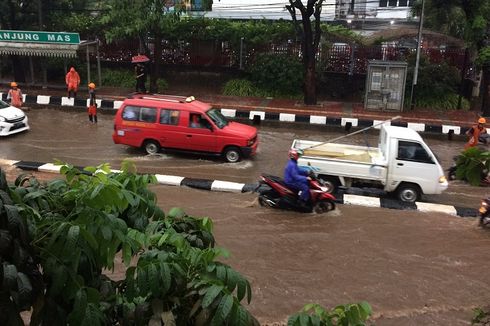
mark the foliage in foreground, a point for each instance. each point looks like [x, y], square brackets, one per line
[349, 314]
[57, 239]
[481, 316]
[473, 165]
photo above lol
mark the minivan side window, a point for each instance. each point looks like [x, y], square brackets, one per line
[131, 113]
[148, 115]
[411, 151]
[169, 117]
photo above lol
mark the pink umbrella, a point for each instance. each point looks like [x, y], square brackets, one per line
[139, 58]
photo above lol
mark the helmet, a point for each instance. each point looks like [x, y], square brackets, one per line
[13, 84]
[295, 153]
[91, 85]
[482, 120]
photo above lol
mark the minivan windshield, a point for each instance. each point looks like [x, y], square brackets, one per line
[218, 118]
[3, 105]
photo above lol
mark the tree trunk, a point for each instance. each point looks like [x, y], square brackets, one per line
[157, 61]
[309, 64]
[310, 85]
[485, 94]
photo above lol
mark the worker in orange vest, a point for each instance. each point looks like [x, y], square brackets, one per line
[15, 95]
[475, 133]
[72, 80]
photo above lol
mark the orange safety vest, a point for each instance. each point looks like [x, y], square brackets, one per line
[15, 96]
[474, 137]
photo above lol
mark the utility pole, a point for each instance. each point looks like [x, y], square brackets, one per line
[417, 60]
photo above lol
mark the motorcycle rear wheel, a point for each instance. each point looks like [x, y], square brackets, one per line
[324, 206]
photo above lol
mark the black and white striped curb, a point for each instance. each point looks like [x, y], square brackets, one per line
[350, 196]
[259, 115]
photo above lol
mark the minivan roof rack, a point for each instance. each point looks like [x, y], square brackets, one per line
[166, 98]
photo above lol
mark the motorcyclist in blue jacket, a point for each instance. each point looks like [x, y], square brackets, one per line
[296, 177]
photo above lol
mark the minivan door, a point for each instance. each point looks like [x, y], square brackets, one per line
[200, 134]
[412, 163]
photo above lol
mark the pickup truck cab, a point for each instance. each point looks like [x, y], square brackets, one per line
[153, 122]
[402, 163]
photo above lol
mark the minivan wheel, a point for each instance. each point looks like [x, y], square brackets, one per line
[232, 154]
[152, 147]
[408, 193]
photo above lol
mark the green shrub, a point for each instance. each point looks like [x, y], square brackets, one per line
[472, 165]
[278, 74]
[347, 315]
[57, 238]
[125, 78]
[240, 87]
[437, 85]
[447, 101]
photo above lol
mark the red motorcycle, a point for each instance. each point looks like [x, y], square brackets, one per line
[278, 195]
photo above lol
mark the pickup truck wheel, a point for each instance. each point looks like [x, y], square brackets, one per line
[151, 147]
[408, 193]
[332, 183]
[232, 154]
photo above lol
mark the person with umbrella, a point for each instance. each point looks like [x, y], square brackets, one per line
[140, 72]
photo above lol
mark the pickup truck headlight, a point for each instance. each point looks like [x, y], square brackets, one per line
[442, 179]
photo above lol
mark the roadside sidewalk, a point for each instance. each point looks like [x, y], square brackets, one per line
[344, 114]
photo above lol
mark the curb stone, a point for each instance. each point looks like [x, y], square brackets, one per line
[347, 122]
[347, 196]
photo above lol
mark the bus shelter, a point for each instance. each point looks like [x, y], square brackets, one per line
[47, 44]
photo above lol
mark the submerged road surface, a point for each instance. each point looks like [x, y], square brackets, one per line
[69, 137]
[414, 268]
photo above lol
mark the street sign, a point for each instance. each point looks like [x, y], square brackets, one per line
[39, 37]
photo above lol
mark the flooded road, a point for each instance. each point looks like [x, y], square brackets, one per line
[69, 137]
[414, 268]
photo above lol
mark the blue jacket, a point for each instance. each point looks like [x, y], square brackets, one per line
[293, 174]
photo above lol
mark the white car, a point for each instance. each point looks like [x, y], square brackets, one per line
[12, 120]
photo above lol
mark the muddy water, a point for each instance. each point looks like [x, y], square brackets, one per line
[68, 136]
[413, 268]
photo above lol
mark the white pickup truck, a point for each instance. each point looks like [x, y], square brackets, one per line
[402, 163]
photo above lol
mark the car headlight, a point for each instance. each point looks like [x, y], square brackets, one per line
[2, 119]
[442, 179]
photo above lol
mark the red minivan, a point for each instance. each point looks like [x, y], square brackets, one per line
[153, 122]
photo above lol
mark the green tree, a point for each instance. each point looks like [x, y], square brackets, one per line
[310, 39]
[466, 19]
[142, 19]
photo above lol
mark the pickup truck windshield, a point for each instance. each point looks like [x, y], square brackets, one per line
[3, 105]
[218, 118]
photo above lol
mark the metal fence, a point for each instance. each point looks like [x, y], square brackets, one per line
[336, 57]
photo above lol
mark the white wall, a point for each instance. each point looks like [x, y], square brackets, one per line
[259, 9]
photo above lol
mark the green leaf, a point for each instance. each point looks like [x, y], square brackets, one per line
[224, 307]
[176, 212]
[126, 253]
[211, 294]
[87, 236]
[9, 276]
